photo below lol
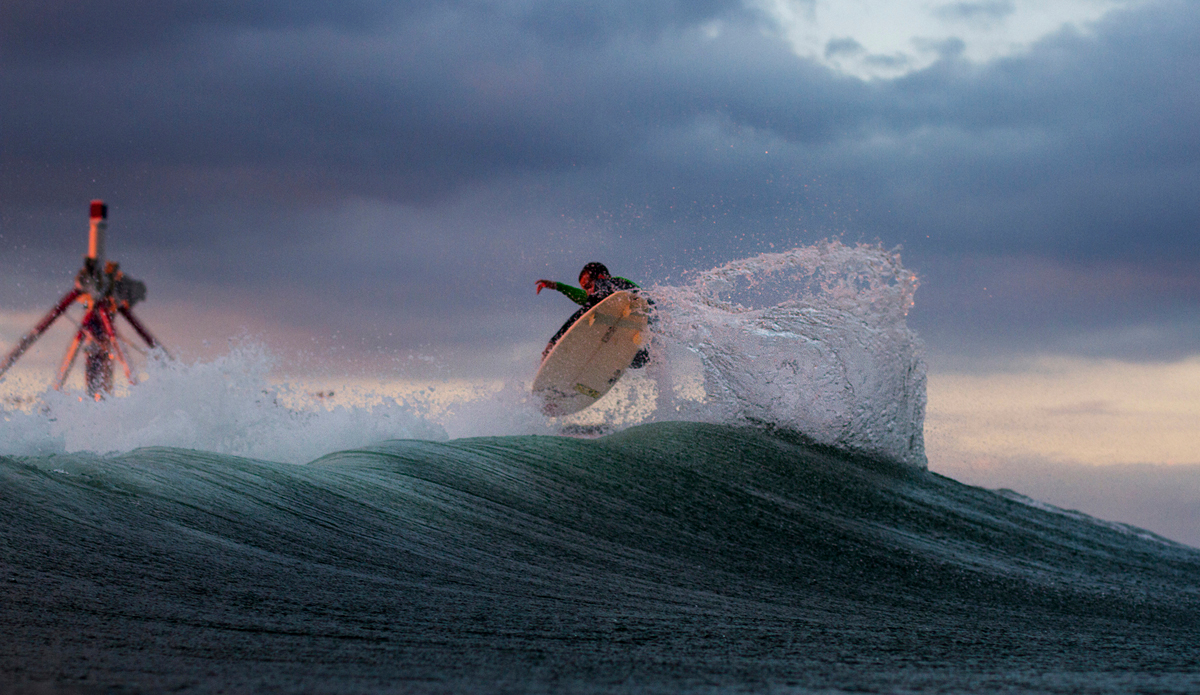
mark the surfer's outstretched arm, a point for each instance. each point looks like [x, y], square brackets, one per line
[575, 294]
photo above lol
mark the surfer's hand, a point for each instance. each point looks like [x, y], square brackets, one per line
[544, 284]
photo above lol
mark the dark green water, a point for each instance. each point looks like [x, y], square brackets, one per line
[667, 558]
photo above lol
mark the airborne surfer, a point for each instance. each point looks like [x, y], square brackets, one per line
[595, 284]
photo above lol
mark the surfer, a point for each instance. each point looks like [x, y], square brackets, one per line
[595, 284]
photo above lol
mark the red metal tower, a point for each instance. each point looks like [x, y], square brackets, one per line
[104, 291]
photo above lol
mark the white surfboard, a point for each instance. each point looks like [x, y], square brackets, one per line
[592, 355]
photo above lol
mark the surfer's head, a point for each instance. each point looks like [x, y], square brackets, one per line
[590, 273]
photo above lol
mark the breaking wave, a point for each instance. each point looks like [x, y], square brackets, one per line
[811, 340]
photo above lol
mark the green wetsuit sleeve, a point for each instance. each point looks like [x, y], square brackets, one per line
[575, 294]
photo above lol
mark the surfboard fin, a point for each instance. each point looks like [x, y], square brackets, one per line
[588, 391]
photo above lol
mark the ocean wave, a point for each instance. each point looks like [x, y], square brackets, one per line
[811, 340]
[674, 557]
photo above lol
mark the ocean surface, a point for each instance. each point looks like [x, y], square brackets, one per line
[753, 513]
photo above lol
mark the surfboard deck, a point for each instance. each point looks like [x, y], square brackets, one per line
[592, 355]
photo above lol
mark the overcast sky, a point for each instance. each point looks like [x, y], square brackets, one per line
[387, 170]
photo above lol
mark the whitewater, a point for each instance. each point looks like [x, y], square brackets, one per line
[750, 512]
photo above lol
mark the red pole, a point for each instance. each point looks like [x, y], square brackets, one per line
[98, 223]
[31, 337]
[111, 332]
[69, 359]
[137, 326]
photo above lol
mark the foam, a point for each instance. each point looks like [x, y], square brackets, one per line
[228, 405]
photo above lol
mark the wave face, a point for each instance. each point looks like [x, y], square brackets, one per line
[673, 557]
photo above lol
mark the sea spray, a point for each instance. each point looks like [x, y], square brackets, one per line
[811, 340]
[228, 405]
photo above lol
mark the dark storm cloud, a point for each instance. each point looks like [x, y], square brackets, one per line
[401, 106]
[1085, 147]
[409, 102]
[691, 128]
[88, 29]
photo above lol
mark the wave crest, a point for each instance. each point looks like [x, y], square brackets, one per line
[813, 339]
